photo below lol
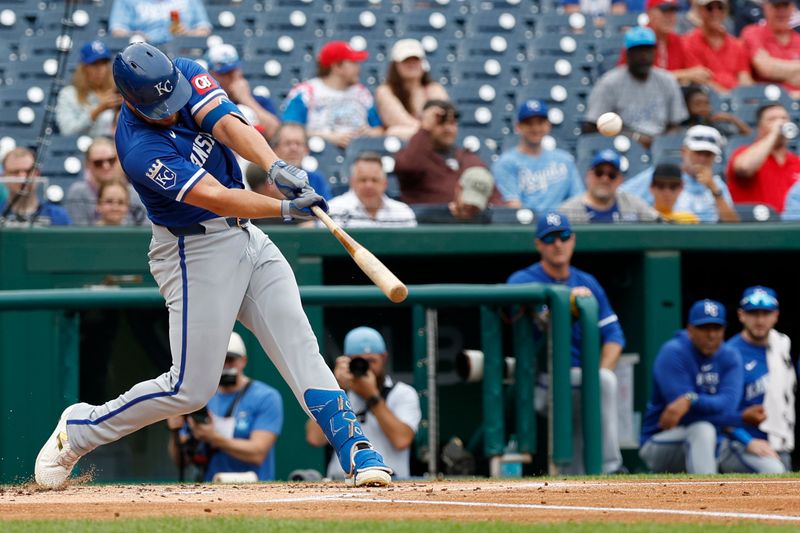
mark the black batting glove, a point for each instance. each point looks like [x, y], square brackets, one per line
[291, 181]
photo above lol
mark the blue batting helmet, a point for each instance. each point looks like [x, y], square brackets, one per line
[150, 81]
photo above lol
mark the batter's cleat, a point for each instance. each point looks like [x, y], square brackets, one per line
[367, 467]
[56, 459]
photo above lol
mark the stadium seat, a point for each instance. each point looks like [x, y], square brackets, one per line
[667, 147]
[431, 22]
[299, 23]
[755, 212]
[745, 100]
[386, 147]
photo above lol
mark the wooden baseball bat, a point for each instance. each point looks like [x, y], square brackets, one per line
[382, 277]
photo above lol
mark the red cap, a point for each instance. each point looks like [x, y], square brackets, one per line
[338, 51]
[658, 3]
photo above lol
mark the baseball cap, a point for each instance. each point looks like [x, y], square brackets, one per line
[405, 48]
[363, 340]
[477, 184]
[759, 298]
[608, 157]
[667, 172]
[663, 5]
[707, 312]
[236, 346]
[338, 51]
[531, 108]
[94, 51]
[222, 58]
[639, 36]
[703, 139]
[551, 222]
[706, 2]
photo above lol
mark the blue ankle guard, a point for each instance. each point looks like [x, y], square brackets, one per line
[332, 411]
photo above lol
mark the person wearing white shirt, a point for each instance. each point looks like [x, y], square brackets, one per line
[366, 203]
[389, 411]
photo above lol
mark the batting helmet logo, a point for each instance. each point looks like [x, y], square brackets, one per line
[163, 87]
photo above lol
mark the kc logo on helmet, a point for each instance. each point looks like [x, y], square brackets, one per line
[203, 83]
[161, 174]
[710, 309]
[163, 87]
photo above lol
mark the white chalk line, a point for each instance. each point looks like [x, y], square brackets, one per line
[543, 507]
[637, 483]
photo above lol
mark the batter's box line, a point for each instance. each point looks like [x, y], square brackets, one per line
[628, 510]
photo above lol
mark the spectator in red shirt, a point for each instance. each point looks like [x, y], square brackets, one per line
[713, 47]
[671, 53]
[763, 172]
[773, 47]
[429, 166]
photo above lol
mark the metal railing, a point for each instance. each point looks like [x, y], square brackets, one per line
[423, 299]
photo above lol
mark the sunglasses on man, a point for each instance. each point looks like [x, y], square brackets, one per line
[563, 235]
[611, 174]
[99, 163]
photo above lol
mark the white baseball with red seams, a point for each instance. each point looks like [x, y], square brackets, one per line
[609, 124]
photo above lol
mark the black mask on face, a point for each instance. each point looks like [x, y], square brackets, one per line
[228, 377]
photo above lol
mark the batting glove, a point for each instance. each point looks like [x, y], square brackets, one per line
[290, 180]
[300, 207]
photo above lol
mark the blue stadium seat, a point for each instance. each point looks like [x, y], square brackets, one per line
[299, 23]
[386, 147]
[431, 22]
[667, 147]
[371, 25]
[558, 69]
[745, 100]
[64, 145]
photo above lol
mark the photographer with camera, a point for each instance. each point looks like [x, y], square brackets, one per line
[388, 411]
[238, 429]
[429, 166]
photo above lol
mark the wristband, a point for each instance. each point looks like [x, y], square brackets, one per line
[372, 401]
[741, 435]
[717, 193]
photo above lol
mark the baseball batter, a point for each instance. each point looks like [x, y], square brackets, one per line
[175, 138]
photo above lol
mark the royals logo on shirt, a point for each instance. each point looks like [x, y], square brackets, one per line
[203, 83]
[161, 174]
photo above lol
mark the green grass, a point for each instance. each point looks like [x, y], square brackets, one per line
[246, 525]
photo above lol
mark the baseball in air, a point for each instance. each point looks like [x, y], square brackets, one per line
[609, 124]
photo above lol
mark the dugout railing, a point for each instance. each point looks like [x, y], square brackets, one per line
[424, 301]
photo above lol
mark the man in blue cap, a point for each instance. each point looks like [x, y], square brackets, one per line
[697, 384]
[531, 175]
[648, 99]
[555, 243]
[761, 438]
[389, 411]
[226, 67]
[602, 202]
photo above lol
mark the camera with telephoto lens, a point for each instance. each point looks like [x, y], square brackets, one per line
[359, 367]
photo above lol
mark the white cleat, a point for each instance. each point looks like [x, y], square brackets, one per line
[368, 468]
[56, 459]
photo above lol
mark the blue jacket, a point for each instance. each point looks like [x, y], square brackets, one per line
[680, 368]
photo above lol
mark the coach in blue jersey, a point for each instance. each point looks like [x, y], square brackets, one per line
[762, 438]
[555, 242]
[697, 383]
[175, 141]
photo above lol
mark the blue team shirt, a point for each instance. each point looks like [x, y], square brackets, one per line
[48, 214]
[260, 409]
[680, 368]
[695, 198]
[610, 330]
[540, 183]
[755, 372]
[603, 215]
[164, 164]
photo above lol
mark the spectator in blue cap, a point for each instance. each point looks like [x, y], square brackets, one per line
[389, 411]
[532, 175]
[555, 242]
[648, 99]
[761, 433]
[226, 67]
[697, 384]
[602, 202]
[89, 106]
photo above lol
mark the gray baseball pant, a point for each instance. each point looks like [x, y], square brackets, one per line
[734, 457]
[682, 449]
[208, 281]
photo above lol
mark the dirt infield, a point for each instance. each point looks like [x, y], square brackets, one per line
[530, 500]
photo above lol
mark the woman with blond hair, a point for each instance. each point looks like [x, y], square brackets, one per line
[89, 106]
[113, 201]
[407, 87]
